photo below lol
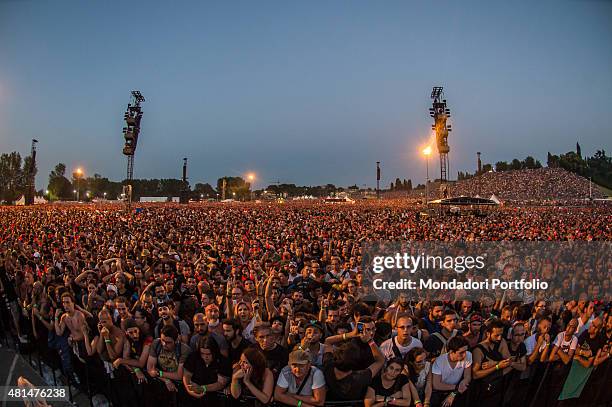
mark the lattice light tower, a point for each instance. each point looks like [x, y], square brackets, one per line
[440, 114]
[132, 117]
[30, 191]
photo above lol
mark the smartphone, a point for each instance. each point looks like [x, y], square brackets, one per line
[360, 327]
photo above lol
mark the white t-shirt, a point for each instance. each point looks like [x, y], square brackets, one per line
[315, 380]
[451, 375]
[387, 347]
[566, 346]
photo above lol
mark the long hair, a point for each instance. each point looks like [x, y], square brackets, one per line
[410, 361]
[258, 362]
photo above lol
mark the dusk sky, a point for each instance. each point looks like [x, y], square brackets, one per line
[308, 92]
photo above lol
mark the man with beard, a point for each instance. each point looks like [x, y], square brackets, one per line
[200, 330]
[232, 331]
[436, 343]
[167, 318]
[491, 358]
[402, 306]
[431, 322]
[332, 320]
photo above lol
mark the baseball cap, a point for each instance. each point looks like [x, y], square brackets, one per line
[299, 357]
[111, 287]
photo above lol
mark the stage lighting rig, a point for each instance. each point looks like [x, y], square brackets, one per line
[440, 113]
[132, 117]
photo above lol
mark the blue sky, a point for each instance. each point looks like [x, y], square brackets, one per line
[303, 92]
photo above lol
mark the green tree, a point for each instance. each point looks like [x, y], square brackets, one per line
[59, 186]
[501, 166]
[12, 181]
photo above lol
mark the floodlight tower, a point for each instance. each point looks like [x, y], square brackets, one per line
[184, 198]
[132, 117]
[440, 114]
[31, 189]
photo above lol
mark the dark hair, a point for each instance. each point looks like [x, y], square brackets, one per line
[495, 324]
[170, 331]
[208, 342]
[366, 320]
[361, 309]
[344, 356]
[410, 361]
[257, 359]
[236, 326]
[455, 343]
[448, 312]
[397, 360]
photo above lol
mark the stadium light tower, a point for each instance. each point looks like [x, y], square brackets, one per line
[440, 113]
[31, 189]
[132, 117]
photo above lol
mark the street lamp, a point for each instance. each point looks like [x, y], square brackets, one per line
[75, 194]
[427, 153]
[78, 174]
[251, 178]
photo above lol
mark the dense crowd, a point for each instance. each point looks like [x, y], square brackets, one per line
[207, 304]
[529, 185]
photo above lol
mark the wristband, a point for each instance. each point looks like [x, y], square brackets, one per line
[136, 369]
[299, 403]
[203, 389]
[343, 336]
[453, 394]
[497, 366]
[108, 341]
[161, 374]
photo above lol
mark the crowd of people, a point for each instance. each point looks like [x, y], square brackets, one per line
[212, 304]
[534, 185]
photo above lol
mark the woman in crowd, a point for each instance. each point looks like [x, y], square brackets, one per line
[252, 378]
[419, 373]
[390, 387]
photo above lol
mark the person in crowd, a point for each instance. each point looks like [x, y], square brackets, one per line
[276, 356]
[436, 343]
[344, 379]
[252, 378]
[452, 374]
[232, 331]
[418, 369]
[491, 358]
[205, 372]
[390, 387]
[300, 383]
[167, 318]
[165, 365]
[400, 345]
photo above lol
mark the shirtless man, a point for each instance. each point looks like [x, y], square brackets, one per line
[73, 319]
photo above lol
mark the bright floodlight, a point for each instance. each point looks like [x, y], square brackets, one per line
[79, 171]
[251, 176]
[427, 151]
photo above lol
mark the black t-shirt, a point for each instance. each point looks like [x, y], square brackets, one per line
[352, 387]
[585, 342]
[380, 390]
[365, 357]
[276, 359]
[234, 353]
[202, 374]
[520, 351]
